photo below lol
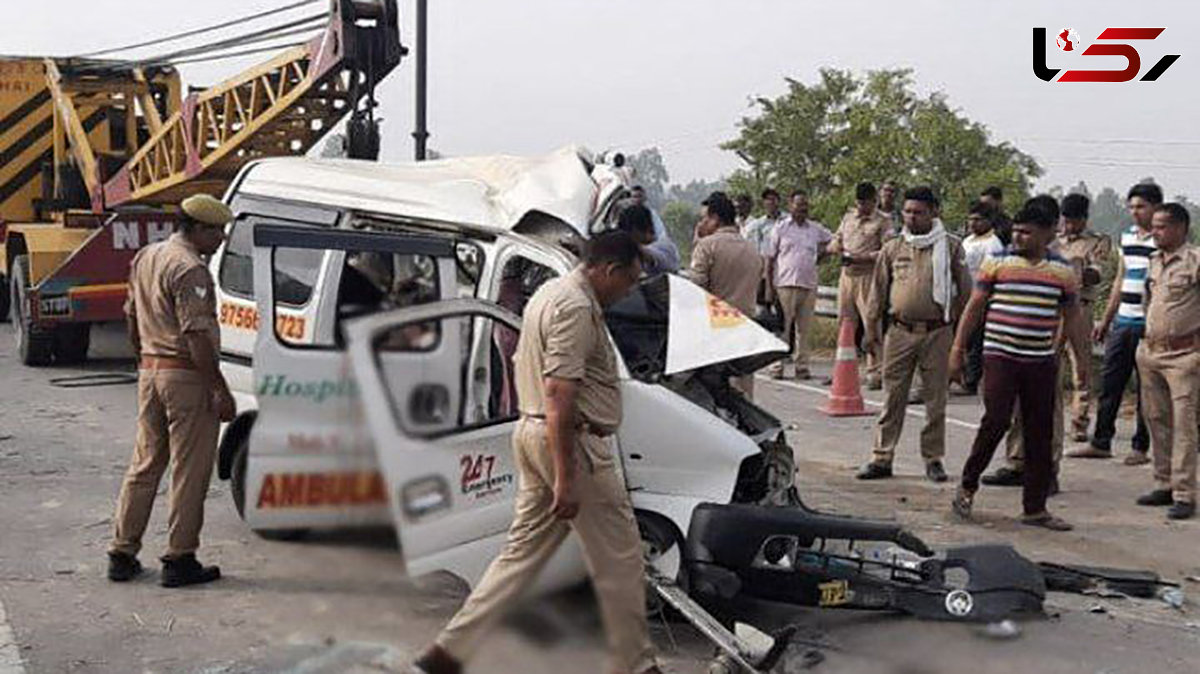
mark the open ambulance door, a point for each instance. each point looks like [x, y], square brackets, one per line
[436, 385]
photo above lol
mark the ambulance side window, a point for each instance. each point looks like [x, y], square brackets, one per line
[373, 281]
[295, 269]
[237, 263]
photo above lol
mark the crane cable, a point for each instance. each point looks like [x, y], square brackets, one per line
[236, 54]
[199, 31]
[311, 24]
[296, 27]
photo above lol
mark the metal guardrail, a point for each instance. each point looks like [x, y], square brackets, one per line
[827, 298]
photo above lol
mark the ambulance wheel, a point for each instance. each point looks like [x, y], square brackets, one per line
[662, 549]
[237, 487]
[71, 343]
[35, 344]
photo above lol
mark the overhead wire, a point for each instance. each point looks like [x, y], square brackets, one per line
[200, 31]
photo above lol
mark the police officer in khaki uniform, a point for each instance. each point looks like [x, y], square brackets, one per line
[567, 391]
[727, 265]
[858, 240]
[920, 285]
[1092, 255]
[182, 396]
[1168, 361]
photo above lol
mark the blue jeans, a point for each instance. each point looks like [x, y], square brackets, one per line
[1120, 363]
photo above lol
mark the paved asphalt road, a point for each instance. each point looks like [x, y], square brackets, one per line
[339, 603]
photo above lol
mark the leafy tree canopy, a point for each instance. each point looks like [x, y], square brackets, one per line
[827, 137]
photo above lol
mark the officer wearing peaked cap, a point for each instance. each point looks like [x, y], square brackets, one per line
[182, 397]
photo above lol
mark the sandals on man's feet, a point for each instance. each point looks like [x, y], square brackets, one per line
[961, 505]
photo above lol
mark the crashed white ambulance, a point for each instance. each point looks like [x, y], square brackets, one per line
[368, 317]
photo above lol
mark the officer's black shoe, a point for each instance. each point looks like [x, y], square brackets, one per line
[123, 567]
[1182, 510]
[185, 570]
[936, 472]
[1158, 497]
[874, 471]
[1004, 477]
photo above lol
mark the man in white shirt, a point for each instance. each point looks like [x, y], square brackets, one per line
[981, 243]
[758, 232]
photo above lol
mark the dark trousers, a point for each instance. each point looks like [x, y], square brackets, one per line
[1120, 363]
[973, 367]
[1032, 385]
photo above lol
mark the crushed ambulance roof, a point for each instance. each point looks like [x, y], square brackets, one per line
[490, 191]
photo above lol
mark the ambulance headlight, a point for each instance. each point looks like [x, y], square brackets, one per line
[424, 496]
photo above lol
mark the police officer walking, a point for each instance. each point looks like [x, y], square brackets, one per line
[1168, 361]
[182, 397]
[919, 286]
[566, 377]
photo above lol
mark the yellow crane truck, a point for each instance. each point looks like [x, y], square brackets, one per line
[95, 153]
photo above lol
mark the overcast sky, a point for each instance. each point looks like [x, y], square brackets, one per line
[525, 76]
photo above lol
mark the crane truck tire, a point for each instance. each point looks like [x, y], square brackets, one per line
[71, 343]
[35, 344]
[5, 302]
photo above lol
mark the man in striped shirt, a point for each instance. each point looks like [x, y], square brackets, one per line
[1023, 295]
[1126, 305]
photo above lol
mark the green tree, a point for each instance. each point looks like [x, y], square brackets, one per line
[1108, 214]
[695, 191]
[680, 218]
[827, 137]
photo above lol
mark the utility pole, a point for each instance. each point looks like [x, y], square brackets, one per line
[421, 133]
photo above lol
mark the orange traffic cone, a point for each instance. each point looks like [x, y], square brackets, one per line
[845, 398]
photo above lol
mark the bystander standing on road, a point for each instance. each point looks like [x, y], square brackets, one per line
[887, 204]
[1021, 298]
[994, 197]
[758, 232]
[796, 246]
[1086, 253]
[743, 206]
[727, 265]
[1126, 315]
[664, 248]
[1169, 362]
[980, 243]
[858, 240]
[637, 221]
[919, 286]
[182, 397]
[570, 403]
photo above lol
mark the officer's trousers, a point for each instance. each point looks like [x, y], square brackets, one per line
[1170, 395]
[854, 294]
[177, 425]
[611, 545]
[906, 352]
